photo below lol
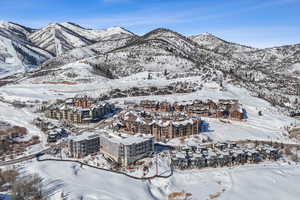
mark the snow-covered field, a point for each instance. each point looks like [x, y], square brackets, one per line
[272, 182]
[267, 182]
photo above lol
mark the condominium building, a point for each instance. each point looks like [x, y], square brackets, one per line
[227, 108]
[84, 144]
[126, 149]
[161, 125]
[79, 110]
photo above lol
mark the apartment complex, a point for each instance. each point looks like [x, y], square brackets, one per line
[80, 109]
[84, 144]
[123, 149]
[225, 108]
[126, 149]
[161, 125]
[222, 154]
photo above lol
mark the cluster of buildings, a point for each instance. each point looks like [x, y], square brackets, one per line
[222, 154]
[134, 131]
[123, 149]
[80, 109]
[176, 87]
[223, 108]
[162, 125]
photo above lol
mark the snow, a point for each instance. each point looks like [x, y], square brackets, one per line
[23, 117]
[265, 181]
[269, 126]
[295, 68]
[91, 183]
[96, 34]
[126, 139]
[268, 182]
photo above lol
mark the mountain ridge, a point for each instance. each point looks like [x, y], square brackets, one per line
[117, 52]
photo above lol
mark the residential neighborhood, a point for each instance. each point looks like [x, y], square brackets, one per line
[149, 100]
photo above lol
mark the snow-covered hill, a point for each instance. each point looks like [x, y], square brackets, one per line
[59, 38]
[116, 52]
[21, 46]
[209, 41]
[95, 49]
[161, 50]
[14, 31]
[16, 52]
[97, 35]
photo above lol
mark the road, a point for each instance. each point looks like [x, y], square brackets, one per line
[32, 156]
[28, 157]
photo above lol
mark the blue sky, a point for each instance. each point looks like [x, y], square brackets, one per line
[258, 23]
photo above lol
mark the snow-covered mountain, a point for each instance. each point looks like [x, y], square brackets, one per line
[97, 35]
[14, 31]
[209, 41]
[16, 52]
[98, 48]
[116, 52]
[21, 46]
[161, 50]
[59, 38]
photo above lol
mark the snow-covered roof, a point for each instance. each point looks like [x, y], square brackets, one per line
[84, 136]
[183, 123]
[126, 139]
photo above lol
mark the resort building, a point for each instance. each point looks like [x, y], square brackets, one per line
[79, 110]
[126, 149]
[161, 125]
[222, 154]
[223, 108]
[84, 144]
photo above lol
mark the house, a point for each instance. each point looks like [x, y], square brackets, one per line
[237, 112]
[125, 149]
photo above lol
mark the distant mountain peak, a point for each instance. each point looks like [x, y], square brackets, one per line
[3, 23]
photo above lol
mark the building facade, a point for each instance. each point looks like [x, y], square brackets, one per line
[223, 108]
[79, 110]
[161, 126]
[125, 150]
[84, 144]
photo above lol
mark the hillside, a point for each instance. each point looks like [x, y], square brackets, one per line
[16, 52]
[271, 73]
[209, 41]
[161, 50]
[59, 38]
